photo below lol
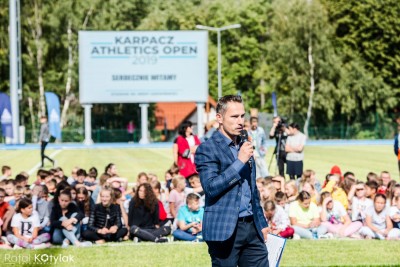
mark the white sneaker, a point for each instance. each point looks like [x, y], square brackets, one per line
[86, 244]
[40, 246]
[17, 247]
[135, 240]
[65, 244]
[296, 237]
[326, 236]
[5, 240]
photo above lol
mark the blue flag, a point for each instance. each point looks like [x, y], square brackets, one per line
[53, 111]
[274, 104]
[6, 116]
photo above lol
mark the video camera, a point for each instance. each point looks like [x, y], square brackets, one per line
[281, 124]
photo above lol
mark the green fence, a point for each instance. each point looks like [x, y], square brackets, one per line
[382, 130]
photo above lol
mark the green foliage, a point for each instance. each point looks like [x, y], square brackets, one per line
[354, 48]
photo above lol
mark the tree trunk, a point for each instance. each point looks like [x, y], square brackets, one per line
[34, 134]
[63, 120]
[312, 82]
[262, 93]
[39, 56]
[71, 62]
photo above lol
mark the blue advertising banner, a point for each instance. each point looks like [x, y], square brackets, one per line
[53, 111]
[6, 116]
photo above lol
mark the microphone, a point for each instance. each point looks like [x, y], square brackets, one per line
[244, 136]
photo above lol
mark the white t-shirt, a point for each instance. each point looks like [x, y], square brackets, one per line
[191, 142]
[335, 215]
[281, 218]
[359, 207]
[378, 220]
[26, 225]
[393, 211]
[293, 141]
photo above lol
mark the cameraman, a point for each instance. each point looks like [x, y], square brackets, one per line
[280, 132]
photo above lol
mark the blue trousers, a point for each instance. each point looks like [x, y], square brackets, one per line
[182, 235]
[244, 248]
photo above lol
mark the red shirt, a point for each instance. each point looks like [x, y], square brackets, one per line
[162, 213]
[3, 208]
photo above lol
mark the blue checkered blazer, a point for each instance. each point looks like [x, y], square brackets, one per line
[222, 186]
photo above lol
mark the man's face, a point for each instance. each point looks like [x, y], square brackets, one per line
[254, 124]
[276, 120]
[233, 119]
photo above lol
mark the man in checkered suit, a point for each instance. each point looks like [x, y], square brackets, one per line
[234, 225]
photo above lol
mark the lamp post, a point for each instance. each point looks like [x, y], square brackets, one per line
[218, 30]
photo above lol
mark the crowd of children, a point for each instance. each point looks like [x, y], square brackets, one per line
[87, 208]
[342, 207]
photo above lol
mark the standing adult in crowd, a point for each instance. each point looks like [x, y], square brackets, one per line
[185, 146]
[295, 151]
[234, 225]
[259, 140]
[44, 138]
[279, 131]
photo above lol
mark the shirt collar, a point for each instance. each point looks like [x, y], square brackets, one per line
[229, 141]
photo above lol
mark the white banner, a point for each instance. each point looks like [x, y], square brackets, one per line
[143, 66]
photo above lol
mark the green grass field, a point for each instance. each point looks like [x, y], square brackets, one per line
[176, 254]
[359, 159]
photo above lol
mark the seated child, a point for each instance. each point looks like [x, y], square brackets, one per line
[65, 221]
[309, 187]
[41, 206]
[305, 218]
[6, 211]
[337, 193]
[394, 212]
[359, 202]
[143, 216]
[378, 223]
[277, 219]
[142, 178]
[10, 187]
[25, 227]
[85, 205]
[176, 196]
[281, 200]
[335, 218]
[105, 220]
[291, 191]
[190, 218]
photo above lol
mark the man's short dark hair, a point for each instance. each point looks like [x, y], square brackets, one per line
[223, 102]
